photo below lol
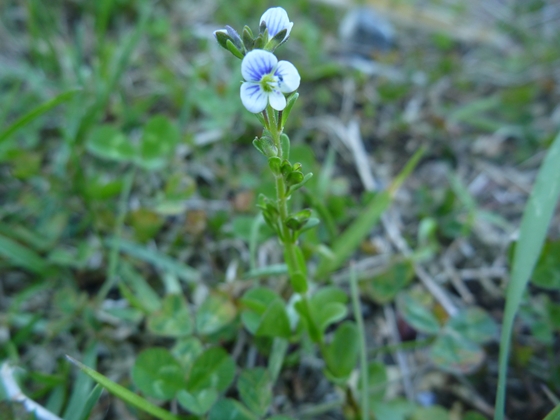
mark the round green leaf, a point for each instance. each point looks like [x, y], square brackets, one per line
[474, 324]
[215, 313]
[454, 353]
[377, 380]
[157, 374]
[384, 287]
[173, 320]
[199, 402]
[547, 270]
[255, 390]
[265, 314]
[212, 369]
[430, 413]
[231, 410]
[158, 141]
[186, 350]
[107, 142]
[341, 354]
[417, 315]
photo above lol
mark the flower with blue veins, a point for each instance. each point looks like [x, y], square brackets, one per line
[266, 81]
[276, 20]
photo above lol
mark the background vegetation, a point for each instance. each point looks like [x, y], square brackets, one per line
[129, 232]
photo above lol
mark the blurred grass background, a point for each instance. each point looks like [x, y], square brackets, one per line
[147, 169]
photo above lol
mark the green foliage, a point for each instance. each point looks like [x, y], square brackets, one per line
[265, 314]
[128, 212]
[534, 225]
[173, 320]
[255, 390]
[157, 374]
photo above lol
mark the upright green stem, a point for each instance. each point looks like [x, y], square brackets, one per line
[299, 282]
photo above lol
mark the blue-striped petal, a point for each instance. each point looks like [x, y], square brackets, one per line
[288, 76]
[253, 97]
[276, 20]
[257, 64]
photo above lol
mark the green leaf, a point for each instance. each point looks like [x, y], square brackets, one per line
[328, 305]
[377, 380]
[107, 142]
[36, 112]
[547, 270]
[430, 413]
[255, 390]
[417, 315]
[385, 286]
[158, 142]
[158, 259]
[534, 225]
[554, 414]
[186, 350]
[341, 354]
[125, 394]
[455, 353]
[81, 388]
[198, 402]
[173, 320]
[229, 409]
[91, 400]
[158, 374]
[346, 243]
[274, 321]
[266, 314]
[474, 324]
[22, 257]
[212, 369]
[397, 409]
[473, 415]
[216, 312]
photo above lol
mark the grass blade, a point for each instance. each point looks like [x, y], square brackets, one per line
[125, 394]
[21, 256]
[351, 238]
[91, 401]
[532, 233]
[554, 414]
[40, 110]
[364, 393]
[159, 260]
[81, 388]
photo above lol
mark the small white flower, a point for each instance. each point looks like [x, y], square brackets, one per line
[266, 80]
[276, 20]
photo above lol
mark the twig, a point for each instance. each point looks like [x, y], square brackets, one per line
[14, 393]
[401, 356]
[435, 289]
